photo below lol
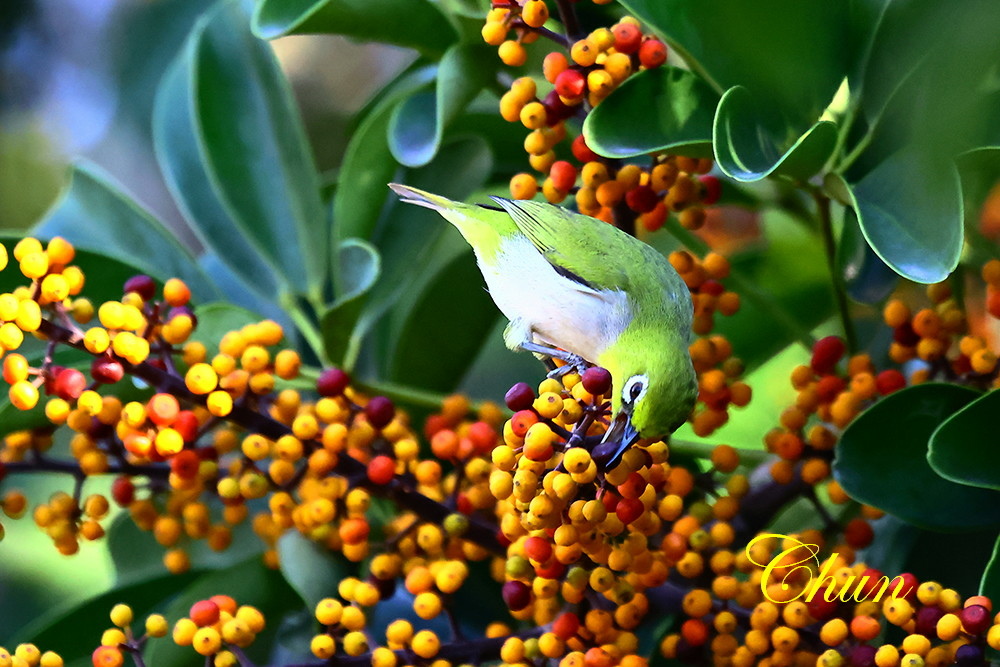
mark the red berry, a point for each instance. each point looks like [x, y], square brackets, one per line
[516, 595]
[141, 285]
[863, 656]
[381, 470]
[582, 152]
[820, 608]
[519, 397]
[69, 384]
[123, 491]
[596, 380]
[380, 411]
[522, 421]
[874, 576]
[553, 570]
[570, 84]
[711, 189]
[628, 37]
[563, 175]
[712, 287]
[908, 590]
[905, 335]
[332, 382]
[538, 549]
[483, 437]
[993, 301]
[226, 603]
[3, 470]
[828, 387]
[629, 509]
[186, 423]
[889, 380]
[566, 625]
[826, 353]
[106, 370]
[858, 533]
[185, 464]
[642, 199]
[652, 53]
[927, 619]
[204, 612]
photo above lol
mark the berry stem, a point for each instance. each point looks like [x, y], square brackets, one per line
[479, 532]
[569, 19]
[740, 283]
[306, 327]
[703, 450]
[836, 277]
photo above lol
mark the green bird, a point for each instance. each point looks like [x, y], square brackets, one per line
[578, 289]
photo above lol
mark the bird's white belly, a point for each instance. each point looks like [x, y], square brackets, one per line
[557, 310]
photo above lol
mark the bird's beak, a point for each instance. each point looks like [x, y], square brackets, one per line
[621, 430]
[618, 438]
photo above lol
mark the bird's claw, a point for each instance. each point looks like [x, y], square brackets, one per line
[574, 364]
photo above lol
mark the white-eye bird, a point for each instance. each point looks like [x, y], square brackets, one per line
[578, 289]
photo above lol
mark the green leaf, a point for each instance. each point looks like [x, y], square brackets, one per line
[990, 583]
[73, 632]
[418, 123]
[867, 277]
[417, 24]
[96, 215]
[359, 265]
[217, 318]
[248, 582]
[882, 461]
[747, 150]
[260, 162]
[181, 157]
[445, 328]
[667, 109]
[789, 52]
[962, 450]
[368, 164]
[311, 569]
[911, 212]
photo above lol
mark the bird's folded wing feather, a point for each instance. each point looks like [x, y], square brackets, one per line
[584, 249]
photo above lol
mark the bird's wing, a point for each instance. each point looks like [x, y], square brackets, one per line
[588, 251]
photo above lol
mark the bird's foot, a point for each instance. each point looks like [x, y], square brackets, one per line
[574, 364]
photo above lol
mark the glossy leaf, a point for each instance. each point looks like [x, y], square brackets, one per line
[867, 277]
[911, 213]
[310, 568]
[990, 583]
[368, 164]
[963, 449]
[417, 24]
[788, 52]
[418, 124]
[359, 265]
[217, 318]
[668, 109]
[747, 150]
[445, 328]
[261, 164]
[180, 154]
[249, 582]
[96, 215]
[239, 293]
[137, 555]
[882, 461]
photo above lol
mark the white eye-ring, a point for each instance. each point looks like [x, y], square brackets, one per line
[634, 389]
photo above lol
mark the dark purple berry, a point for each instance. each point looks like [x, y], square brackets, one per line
[332, 382]
[380, 411]
[927, 619]
[969, 655]
[596, 380]
[975, 619]
[142, 285]
[519, 397]
[863, 656]
[516, 594]
[106, 371]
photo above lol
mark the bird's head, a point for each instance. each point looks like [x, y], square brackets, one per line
[654, 388]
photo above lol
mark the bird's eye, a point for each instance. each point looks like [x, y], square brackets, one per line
[634, 388]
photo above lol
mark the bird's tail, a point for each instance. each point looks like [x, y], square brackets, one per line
[426, 199]
[481, 227]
